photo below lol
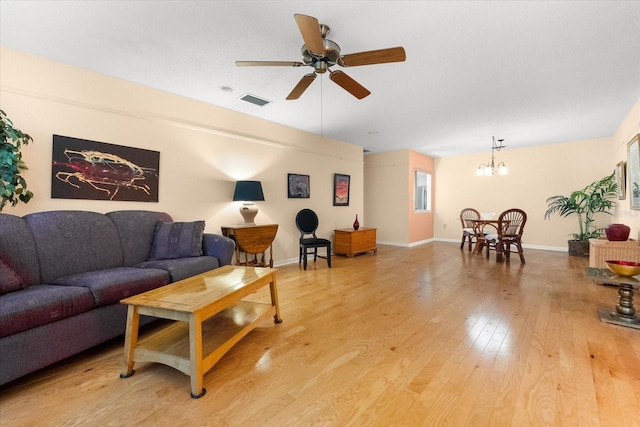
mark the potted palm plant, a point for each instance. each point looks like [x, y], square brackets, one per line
[13, 187]
[596, 197]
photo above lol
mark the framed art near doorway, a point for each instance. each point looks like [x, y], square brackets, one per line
[341, 184]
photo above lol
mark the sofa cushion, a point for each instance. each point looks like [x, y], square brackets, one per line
[177, 240]
[40, 305]
[73, 242]
[112, 285]
[182, 268]
[9, 279]
[136, 229]
[220, 247]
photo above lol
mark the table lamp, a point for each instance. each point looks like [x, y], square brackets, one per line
[248, 192]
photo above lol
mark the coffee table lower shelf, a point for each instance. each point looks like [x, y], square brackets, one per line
[171, 345]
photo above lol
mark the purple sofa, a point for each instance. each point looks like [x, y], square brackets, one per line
[63, 273]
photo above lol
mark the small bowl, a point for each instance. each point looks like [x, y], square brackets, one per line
[624, 268]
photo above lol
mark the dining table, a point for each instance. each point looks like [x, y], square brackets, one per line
[480, 231]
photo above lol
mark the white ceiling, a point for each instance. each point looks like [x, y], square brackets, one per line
[531, 72]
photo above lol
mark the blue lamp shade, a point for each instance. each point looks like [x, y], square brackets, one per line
[248, 191]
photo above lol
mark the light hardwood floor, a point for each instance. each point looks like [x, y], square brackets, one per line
[430, 335]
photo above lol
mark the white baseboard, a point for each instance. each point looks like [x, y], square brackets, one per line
[423, 242]
[407, 245]
[524, 245]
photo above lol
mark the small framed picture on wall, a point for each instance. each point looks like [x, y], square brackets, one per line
[298, 186]
[341, 184]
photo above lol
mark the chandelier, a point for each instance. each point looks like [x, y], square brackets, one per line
[489, 168]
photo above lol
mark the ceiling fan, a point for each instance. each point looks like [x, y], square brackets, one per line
[321, 53]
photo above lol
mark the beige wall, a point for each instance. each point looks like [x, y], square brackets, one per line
[535, 174]
[204, 149]
[629, 128]
[388, 195]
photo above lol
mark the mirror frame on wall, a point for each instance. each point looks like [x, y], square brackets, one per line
[421, 191]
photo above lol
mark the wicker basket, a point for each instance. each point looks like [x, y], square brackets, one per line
[602, 250]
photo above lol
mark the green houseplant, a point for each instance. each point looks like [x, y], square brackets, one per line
[13, 187]
[599, 196]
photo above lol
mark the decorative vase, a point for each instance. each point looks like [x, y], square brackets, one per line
[617, 232]
[356, 224]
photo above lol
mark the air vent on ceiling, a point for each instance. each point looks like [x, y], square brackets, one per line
[261, 102]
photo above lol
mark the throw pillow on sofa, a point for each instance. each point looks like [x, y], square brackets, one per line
[9, 279]
[177, 240]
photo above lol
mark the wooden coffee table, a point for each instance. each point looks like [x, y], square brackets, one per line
[210, 318]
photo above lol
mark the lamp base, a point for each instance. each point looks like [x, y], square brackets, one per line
[249, 210]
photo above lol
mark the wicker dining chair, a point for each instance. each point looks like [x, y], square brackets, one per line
[509, 235]
[468, 234]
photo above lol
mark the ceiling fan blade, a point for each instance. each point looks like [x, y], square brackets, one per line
[381, 56]
[348, 84]
[302, 85]
[269, 63]
[310, 30]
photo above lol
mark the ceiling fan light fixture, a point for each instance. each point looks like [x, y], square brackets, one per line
[321, 54]
[320, 67]
[307, 57]
[324, 30]
[331, 51]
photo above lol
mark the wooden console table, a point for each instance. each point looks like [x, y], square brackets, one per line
[252, 240]
[211, 316]
[350, 242]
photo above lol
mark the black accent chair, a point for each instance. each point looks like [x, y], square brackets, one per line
[307, 223]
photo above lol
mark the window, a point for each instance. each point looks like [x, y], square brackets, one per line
[422, 191]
